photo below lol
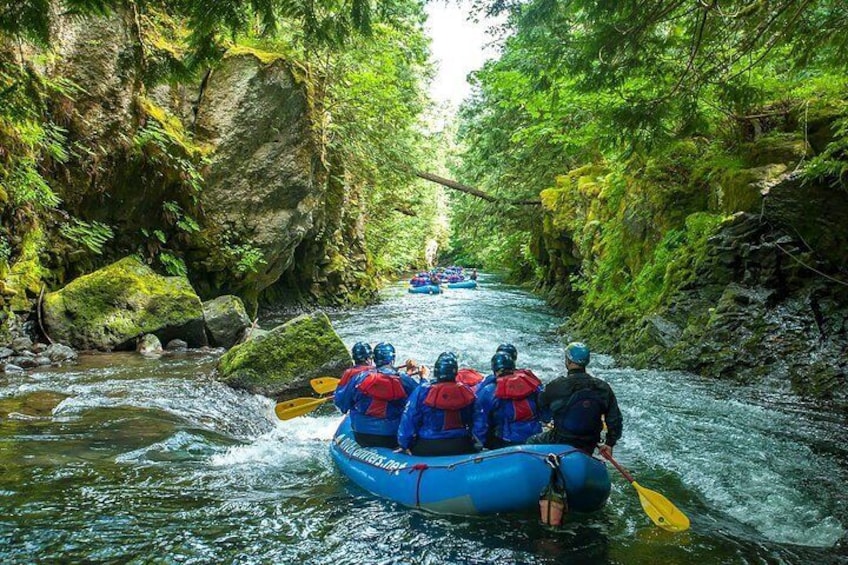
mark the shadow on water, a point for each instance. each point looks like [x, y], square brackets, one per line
[133, 460]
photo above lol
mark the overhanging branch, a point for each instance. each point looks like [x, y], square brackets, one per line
[453, 185]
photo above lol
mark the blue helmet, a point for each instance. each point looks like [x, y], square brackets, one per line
[361, 352]
[509, 349]
[446, 367]
[384, 354]
[578, 353]
[502, 362]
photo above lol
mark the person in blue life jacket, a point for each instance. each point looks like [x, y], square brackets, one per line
[437, 419]
[507, 348]
[507, 410]
[375, 400]
[579, 404]
[362, 361]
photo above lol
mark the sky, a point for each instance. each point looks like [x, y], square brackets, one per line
[458, 47]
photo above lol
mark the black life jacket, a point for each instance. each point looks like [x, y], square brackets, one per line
[580, 415]
[451, 398]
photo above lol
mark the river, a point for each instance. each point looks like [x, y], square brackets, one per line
[127, 459]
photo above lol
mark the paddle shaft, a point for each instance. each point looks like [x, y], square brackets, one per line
[618, 467]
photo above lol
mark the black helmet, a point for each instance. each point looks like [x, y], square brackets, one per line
[361, 352]
[509, 349]
[502, 362]
[384, 354]
[446, 367]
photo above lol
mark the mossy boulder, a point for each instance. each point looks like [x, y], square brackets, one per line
[281, 363]
[226, 320]
[109, 308]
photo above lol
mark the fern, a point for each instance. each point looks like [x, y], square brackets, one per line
[92, 235]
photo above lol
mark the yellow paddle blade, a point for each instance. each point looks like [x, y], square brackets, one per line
[660, 510]
[323, 385]
[298, 407]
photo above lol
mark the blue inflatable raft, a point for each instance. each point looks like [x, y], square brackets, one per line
[426, 289]
[502, 480]
[463, 284]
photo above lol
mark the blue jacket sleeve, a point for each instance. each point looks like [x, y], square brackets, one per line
[482, 408]
[409, 384]
[410, 420]
[343, 397]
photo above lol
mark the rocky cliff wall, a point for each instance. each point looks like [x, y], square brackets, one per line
[220, 176]
[730, 264]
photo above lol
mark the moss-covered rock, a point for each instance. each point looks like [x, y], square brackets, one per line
[282, 362]
[226, 320]
[109, 308]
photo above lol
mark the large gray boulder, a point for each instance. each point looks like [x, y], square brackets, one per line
[109, 308]
[281, 363]
[264, 178]
[226, 320]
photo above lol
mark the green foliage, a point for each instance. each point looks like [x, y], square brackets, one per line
[832, 163]
[172, 264]
[92, 235]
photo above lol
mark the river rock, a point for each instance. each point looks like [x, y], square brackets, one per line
[42, 360]
[149, 344]
[58, 353]
[21, 344]
[282, 362]
[12, 368]
[176, 345]
[109, 308]
[226, 319]
[5, 352]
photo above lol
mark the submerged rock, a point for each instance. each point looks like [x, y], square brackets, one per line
[176, 345]
[110, 308]
[58, 353]
[149, 344]
[284, 361]
[226, 319]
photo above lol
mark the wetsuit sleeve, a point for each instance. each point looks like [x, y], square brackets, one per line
[613, 419]
[343, 397]
[482, 408]
[544, 411]
[409, 421]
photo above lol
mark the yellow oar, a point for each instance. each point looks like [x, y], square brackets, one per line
[658, 508]
[298, 407]
[323, 385]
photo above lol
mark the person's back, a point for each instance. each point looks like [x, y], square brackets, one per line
[580, 404]
[343, 396]
[507, 410]
[437, 420]
[378, 399]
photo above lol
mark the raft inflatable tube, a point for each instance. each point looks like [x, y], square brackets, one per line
[501, 480]
[463, 284]
[426, 289]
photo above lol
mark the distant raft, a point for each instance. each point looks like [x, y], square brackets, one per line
[425, 289]
[463, 284]
[500, 480]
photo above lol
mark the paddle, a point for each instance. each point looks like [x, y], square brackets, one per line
[323, 385]
[658, 508]
[295, 407]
